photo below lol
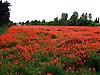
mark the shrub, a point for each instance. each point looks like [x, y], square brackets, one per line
[93, 61]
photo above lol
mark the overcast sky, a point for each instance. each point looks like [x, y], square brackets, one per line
[22, 10]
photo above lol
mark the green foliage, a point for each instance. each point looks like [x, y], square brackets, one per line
[56, 21]
[85, 71]
[52, 68]
[53, 36]
[4, 12]
[64, 16]
[93, 24]
[84, 20]
[93, 61]
[27, 22]
[3, 28]
[74, 18]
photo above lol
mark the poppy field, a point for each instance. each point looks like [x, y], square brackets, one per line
[50, 50]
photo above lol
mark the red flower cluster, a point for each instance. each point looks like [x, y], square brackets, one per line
[49, 44]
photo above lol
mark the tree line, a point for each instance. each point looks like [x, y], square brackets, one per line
[84, 20]
[75, 20]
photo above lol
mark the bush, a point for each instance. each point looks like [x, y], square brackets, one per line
[3, 28]
[52, 68]
[93, 61]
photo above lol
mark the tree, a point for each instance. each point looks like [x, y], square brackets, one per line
[97, 21]
[64, 16]
[50, 23]
[83, 20]
[74, 18]
[90, 16]
[22, 23]
[35, 22]
[43, 21]
[27, 22]
[56, 21]
[4, 12]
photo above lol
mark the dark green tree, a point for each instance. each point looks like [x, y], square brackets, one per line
[35, 22]
[51, 23]
[63, 19]
[43, 22]
[74, 18]
[63, 22]
[27, 22]
[97, 20]
[22, 23]
[64, 16]
[90, 16]
[83, 20]
[4, 12]
[56, 21]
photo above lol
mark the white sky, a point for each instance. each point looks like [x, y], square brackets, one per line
[23, 10]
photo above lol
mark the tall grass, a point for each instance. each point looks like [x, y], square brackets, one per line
[3, 29]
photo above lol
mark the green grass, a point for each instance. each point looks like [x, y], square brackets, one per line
[3, 29]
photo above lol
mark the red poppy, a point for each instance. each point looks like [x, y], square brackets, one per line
[49, 74]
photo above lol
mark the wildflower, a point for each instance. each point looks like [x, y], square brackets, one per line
[21, 65]
[84, 61]
[80, 69]
[0, 62]
[49, 74]
[16, 62]
[10, 64]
